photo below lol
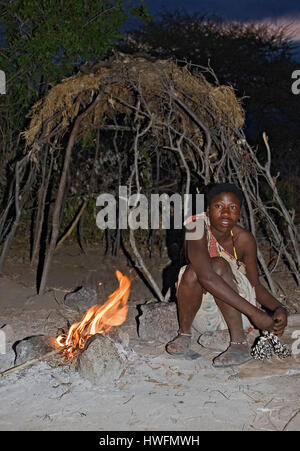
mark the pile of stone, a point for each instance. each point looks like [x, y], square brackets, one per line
[102, 361]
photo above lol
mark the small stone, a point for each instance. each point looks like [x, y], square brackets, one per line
[158, 321]
[81, 299]
[32, 348]
[6, 338]
[118, 336]
[100, 362]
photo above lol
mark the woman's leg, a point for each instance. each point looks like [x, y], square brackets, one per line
[238, 351]
[189, 298]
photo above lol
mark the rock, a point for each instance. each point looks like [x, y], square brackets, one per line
[119, 336]
[81, 299]
[100, 361]
[32, 348]
[6, 338]
[158, 321]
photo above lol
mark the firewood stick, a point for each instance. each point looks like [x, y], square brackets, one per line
[30, 362]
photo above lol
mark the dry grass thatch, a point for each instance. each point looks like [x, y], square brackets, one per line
[124, 77]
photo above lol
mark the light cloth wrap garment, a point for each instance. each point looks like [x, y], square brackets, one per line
[209, 317]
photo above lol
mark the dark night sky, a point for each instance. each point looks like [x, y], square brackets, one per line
[243, 10]
[277, 11]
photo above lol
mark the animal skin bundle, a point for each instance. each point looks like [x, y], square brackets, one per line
[268, 344]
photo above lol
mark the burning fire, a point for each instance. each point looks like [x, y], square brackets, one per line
[98, 319]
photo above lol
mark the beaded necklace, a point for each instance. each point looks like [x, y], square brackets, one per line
[234, 250]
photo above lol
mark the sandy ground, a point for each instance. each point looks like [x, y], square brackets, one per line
[155, 392]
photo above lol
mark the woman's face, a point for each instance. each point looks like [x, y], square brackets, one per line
[224, 211]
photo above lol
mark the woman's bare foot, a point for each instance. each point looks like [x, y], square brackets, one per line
[235, 354]
[180, 347]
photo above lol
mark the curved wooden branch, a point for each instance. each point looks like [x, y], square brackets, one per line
[61, 190]
[19, 199]
[207, 135]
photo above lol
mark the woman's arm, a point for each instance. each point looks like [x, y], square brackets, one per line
[264, 297]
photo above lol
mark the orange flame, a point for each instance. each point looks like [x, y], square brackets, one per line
[98, 319]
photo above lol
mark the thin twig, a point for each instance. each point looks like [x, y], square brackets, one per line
[291, 419]
[31, 362]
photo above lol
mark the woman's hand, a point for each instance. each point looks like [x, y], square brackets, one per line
[262, 320]
[280, 319]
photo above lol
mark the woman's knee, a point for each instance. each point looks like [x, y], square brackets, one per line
[220, 265]
[189, 276]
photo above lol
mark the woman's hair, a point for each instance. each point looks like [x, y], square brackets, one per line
[219, 188]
